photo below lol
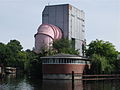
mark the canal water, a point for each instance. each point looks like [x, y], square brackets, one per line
[22, 82]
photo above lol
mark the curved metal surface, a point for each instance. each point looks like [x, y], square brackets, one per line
[45, 36]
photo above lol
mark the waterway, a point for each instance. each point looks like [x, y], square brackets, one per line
[22, 82]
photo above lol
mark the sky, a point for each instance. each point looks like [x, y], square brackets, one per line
[19, 19]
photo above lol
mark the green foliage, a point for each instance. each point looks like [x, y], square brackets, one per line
[117, 64]
[11, 54]
[3, 53]
[62, 43]
[101, 48]
[31, 56]
[64, 46]
[16, 57]
[15, 46]
[95, 64]
[46, 52]
[105, 55]
[100, 65]
[33, 63]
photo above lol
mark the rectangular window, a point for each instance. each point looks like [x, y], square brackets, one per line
[62, 60]
[53, 60]
[73, 43]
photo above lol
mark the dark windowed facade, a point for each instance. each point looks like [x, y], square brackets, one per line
[64, 61]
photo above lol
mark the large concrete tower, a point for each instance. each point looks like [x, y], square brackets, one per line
[70, 20]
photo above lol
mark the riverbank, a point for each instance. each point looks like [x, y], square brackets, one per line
[101, 77]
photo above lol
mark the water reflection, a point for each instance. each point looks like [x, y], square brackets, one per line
[62, 85]
[13, 82]
[102, 85]
[22, 82]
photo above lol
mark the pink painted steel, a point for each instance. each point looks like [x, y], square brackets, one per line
[45, 36]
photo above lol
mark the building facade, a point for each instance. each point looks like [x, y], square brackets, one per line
[62, 21]
[70, 20]
[61, 66]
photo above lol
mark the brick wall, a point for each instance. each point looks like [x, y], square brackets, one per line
[62, 68]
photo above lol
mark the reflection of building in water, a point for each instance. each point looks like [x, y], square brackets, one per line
[62, 85]
[60, 66]
[0, 70]
[11, 76]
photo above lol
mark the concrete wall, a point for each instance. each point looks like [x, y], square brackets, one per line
[76, 27]
[61, 76]
[69, 19]
[56, 15]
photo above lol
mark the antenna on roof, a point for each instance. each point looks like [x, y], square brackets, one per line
[48, 3]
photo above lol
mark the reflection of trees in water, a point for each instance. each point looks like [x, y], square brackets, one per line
[54, 84]
[36, 83]
[102, 85]
[13, 82]
[12, 79]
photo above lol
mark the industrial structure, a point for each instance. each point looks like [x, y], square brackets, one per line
[71, 22]
[46, 34]
[62, 21]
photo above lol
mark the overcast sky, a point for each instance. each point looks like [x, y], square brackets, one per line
[19, 19]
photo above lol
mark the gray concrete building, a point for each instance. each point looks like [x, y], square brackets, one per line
[70, 20]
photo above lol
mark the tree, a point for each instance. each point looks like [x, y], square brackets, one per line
[3, 51]
[31, 56]
[17, 57]
[64, 46]
[103, 49]
[12, 55]
[15, 45]
[117, 64]
[33, 64]
[99, 65]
